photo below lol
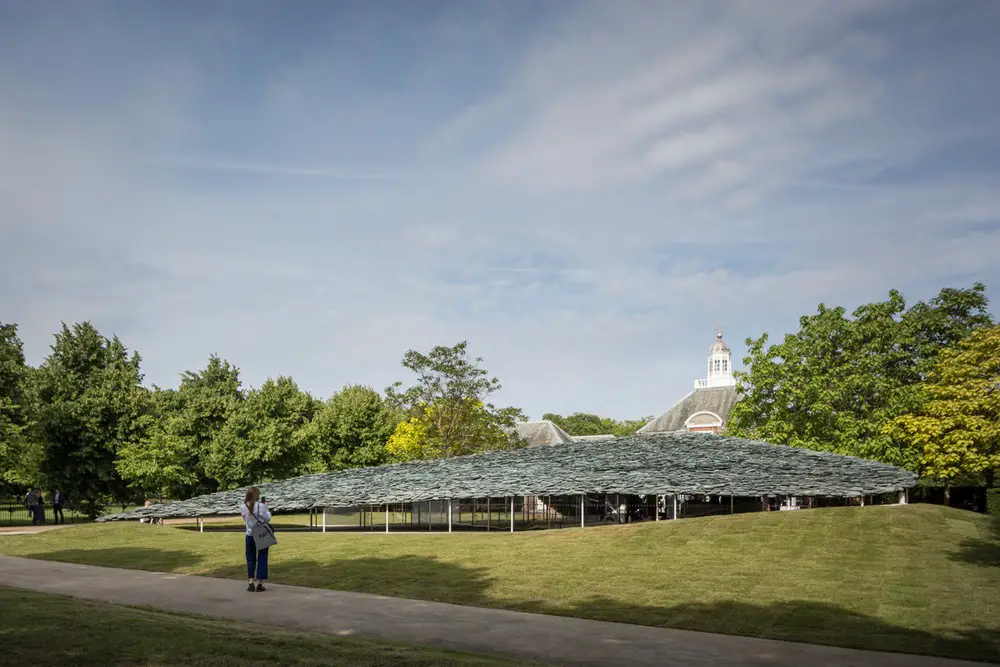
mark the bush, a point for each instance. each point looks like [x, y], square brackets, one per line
[993, 502]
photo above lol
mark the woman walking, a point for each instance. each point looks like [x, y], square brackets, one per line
[252, 511]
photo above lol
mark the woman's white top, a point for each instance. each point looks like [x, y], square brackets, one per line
[260, 509]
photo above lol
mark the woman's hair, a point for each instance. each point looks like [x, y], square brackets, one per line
[253, 494]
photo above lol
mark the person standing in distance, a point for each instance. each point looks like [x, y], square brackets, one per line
[57, 506]
[253, 510]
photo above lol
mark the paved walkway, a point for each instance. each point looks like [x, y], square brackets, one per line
[31, 530]
[550, 639]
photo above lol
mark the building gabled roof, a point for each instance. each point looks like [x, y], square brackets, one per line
[668, 463]
[542, 433]
[718, 400]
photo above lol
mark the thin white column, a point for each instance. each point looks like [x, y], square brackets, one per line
[201, 525]
[387, 517]
[489, 515]
[675, 505]
[324, 519]
[512, 514]
[583, 509]
[902, 497]
[656, 507]
[449, 515]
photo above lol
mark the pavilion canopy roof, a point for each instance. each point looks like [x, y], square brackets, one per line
[668, 463]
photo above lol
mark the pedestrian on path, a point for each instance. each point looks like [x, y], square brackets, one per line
[34, 504]
[253, 510]
[57, 506]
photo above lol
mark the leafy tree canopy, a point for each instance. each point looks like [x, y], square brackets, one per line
[351, 429]
[449, 401]
[91, 404]
[581, 423]
[14, 409]
[170, 461]
[836, 383]
[957, 428]
[264, 438]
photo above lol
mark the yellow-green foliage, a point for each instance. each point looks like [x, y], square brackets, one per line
[957, 430]
[409, 441]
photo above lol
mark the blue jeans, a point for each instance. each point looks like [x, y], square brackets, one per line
[256, 560]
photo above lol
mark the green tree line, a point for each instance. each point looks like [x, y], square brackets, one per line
[585, 423]
[917, 387]
[84, 422]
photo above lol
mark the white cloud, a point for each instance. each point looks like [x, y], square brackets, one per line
[646, 172]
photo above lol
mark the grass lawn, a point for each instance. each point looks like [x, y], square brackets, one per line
[39, 630]
[917, 578]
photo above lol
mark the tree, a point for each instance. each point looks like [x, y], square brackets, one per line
[158, 464]
[264, 439]
[449, 401]
[580, 423]
[957, 428]
[170, 461]
[351, 429]
[837, 382]
[416, 438]
[15, 463]
[91, 404]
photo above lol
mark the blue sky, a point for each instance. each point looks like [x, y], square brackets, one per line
[582, 190]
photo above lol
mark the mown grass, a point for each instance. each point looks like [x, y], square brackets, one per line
[38, 629]
[918, 578]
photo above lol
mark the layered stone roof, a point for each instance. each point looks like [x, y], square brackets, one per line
[667, 463]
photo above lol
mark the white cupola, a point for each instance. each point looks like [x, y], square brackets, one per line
[720, 365]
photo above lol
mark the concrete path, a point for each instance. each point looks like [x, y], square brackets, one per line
[31, 530]
[550, 639]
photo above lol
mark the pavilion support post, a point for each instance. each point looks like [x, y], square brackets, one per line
[583, 509]
[548, 510]
[731, 503]
[862, 501]
[656, 507]
[512, 514]
[387, 517]
[902, 497]
[201, 525]
[473, 513]
[324, 519]
[675, 506]
[449, 515]
[489, 515]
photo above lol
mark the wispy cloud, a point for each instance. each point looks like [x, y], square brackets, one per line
[201, 164]
[583, 190]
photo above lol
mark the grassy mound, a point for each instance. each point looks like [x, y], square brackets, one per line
[918, 578]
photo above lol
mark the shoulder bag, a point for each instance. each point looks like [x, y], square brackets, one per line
[262, 534]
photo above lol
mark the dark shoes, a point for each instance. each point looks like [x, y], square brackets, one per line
[260, 588]
[250, 587]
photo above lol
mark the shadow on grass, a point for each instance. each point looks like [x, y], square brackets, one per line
[423, 578]
[131, 558]
[983, 552]
[796, 621]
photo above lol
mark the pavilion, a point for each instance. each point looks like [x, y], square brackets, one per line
[667, 475]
